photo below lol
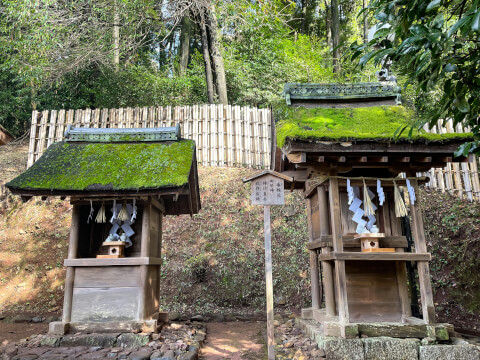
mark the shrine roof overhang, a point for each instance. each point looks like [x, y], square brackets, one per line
[95, 169]
[347, 155]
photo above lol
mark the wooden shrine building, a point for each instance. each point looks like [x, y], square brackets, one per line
[121, 182]
[337, 142]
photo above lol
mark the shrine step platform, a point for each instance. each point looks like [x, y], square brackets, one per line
[364, 347]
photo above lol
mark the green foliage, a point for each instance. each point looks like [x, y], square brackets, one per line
[261, 58]
[370, 123]
[109, 166]
[436, 45]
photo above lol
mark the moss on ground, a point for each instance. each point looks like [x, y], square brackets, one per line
[68, 166]
[365, 123]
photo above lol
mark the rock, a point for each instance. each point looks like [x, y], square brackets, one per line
[156, 337]
[50, 341]
[458, 341]
[288, 344]
[428, 341]
[22, 319]
[176, 326]
[25, 357]
[218, 318]
[318, 353]
[37, 319]
[230, 318]
[190, 355]
[140, 355]
[129, 340]
[10, 350]
[197, 318]
[173, 316]
[384, 348]
[94, 341]
[341, 349]
[449, 352]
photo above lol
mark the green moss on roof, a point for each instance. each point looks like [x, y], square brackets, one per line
[365, 123]
[70, 166]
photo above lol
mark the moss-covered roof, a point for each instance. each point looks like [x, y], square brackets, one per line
[104, 167]
[378, 123]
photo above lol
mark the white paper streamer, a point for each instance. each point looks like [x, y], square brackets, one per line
[114, 211]
[411, 192]
[381, 194]
[134, 215]
[90, 217]
[351, 195]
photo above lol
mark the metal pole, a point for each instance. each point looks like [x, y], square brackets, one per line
[269, 282]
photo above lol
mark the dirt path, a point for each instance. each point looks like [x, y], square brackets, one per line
[14, 332]
[234, 341]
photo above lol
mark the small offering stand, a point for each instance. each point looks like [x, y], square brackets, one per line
[121, 183]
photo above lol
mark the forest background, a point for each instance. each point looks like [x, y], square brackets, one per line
[116, 53]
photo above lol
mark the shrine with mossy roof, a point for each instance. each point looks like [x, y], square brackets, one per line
[121, 182]
[350, 147]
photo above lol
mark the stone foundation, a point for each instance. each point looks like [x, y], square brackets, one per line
[381, 348]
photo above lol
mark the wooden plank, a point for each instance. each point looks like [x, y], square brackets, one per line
[402, 282]
[328, 277]
[373, 256]
[107, 276]
[72, 255]
[340, 276]
[52, 128]
[61, 121]
[269, 283]
[42, 137]
[350, 242]
[418, 231]
[33, 139]
[114, 262]
[314, 278]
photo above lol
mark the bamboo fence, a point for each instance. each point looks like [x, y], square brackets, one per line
[225, 135]
[460, 179]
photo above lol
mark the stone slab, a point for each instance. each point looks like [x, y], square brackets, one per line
[132, 340]
[102, 340]
[449, 352]
[389, 348]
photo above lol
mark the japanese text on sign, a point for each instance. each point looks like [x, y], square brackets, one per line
[268, 190]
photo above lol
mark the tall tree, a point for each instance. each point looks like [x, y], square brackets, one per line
[206, 60]
[217, 58]
[336, 36]
[185, 35]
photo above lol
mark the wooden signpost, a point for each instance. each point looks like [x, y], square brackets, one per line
[267, 190]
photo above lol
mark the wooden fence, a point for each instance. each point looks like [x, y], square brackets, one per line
[460, 179]
[225, 135]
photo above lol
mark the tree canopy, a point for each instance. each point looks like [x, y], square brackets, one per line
[436, 45]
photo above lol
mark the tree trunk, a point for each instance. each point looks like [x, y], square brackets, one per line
[185, 44]
[328, 24]
[335, 36]
[206, 59]
[365, 23]
[116, 34]
[304, 16]
[217, 58]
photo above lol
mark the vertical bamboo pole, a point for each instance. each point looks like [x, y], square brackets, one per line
[52, 128]
[33, 139]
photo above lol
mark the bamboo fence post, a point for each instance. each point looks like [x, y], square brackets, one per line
[52, 128]
[33, 139]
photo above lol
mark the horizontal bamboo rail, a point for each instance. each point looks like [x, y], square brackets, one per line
[225, 135]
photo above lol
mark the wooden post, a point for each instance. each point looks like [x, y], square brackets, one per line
[426, 293]
[269, 282]
[328, 282]
[144, 252]
[314, 280]
[72, 254]
[340, 276]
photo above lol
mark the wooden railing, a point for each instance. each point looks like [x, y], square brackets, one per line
[225, 135]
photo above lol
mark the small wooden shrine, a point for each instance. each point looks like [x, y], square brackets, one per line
[121, 183]
[337, 142]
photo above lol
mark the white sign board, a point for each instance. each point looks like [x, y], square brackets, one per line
[267, 190]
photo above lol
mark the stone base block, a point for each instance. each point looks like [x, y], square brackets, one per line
[110, 327]
[449, 352]
[307, 314]
[389, 348]
[58, 328]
